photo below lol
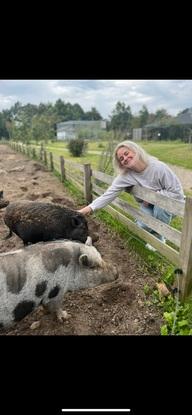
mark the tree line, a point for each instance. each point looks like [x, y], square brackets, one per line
[32, 122]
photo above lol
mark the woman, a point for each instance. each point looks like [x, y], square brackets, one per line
[135, 166]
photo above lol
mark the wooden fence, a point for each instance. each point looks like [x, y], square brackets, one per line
[93, 183]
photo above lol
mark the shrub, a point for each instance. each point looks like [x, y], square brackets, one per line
[76, 147]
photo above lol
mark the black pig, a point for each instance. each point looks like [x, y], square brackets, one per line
[3, 202]
[37, 221]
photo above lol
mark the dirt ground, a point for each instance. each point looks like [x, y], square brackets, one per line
[117, 308]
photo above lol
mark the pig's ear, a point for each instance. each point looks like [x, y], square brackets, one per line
[88, 241]
[76, 221]
[83, 260]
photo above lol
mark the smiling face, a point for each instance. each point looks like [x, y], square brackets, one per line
[127, 158]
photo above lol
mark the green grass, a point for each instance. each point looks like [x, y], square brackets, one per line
[173, 152]
[63, 151]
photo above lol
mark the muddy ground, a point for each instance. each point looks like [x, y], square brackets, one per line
[117, 308]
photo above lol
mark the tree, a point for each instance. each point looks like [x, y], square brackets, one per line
[42, 128]
[60, 108]
[3, 127]
[92, 115]
[78, 112]
[105, 161]
[143, 116]
[161, 114]
[121, 117]
[67, 111]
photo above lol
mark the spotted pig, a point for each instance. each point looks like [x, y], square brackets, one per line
[41, 274]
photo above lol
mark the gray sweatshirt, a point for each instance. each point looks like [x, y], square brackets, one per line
[157, 176]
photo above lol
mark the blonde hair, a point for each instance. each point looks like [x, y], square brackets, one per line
[142, 155]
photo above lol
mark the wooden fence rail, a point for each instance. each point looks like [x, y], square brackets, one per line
[93, 183]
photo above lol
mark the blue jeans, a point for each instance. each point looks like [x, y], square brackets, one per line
[157, 213]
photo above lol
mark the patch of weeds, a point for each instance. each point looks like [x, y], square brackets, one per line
[74, 192]
[57, 174]
[169, 276]
[176, 315]
[147, 289]
[177, 318]
[152, 260]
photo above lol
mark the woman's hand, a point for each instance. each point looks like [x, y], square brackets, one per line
[85, 211]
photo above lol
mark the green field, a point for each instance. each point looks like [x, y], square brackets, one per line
[176, 152]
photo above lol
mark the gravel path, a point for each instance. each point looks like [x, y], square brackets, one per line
[185, 176]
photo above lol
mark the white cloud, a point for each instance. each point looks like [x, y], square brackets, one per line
[172, 95]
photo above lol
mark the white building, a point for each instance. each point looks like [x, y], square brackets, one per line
[69, 129]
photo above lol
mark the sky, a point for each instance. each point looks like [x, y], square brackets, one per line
[172, 95]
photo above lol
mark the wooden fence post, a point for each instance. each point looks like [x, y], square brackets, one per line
[34, 153]
[41, 154]
[62, 164]
[51, 161]
[186, 251]
[87, 183]
[45, 157]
